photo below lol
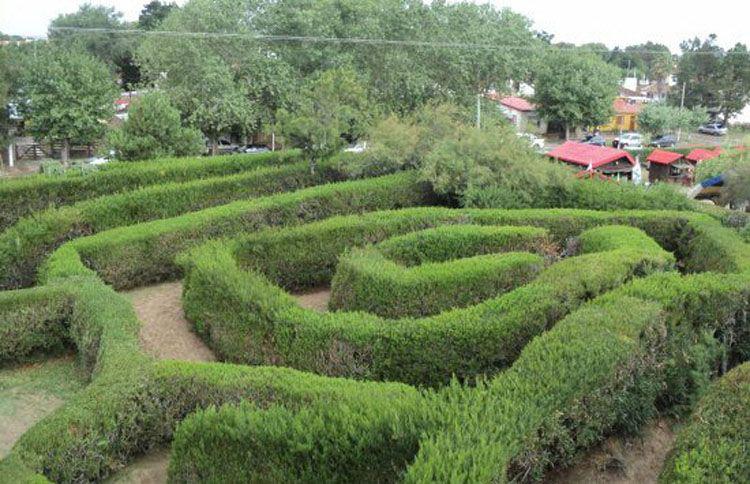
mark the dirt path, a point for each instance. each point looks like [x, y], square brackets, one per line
[316, 299]
[148, 469]
[165, 333]
[30, 392]
[618, 460]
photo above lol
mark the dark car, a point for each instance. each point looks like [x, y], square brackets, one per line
[594, 139]
[664, 141]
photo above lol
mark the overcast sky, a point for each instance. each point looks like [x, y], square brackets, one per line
[578, 21]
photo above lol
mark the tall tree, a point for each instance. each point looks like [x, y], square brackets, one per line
[71, 97]
[112, 48]
[153, 129]
[331, 110]
[576, 89]
[713, 77]
[154, 13]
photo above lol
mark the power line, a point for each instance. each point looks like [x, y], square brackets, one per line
[358, 41]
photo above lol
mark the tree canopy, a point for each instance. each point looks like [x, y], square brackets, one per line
[70, 94]
[660, 118]
[713, 77]
[153, 129]
[576, 88]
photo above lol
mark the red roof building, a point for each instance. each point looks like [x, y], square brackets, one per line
[591, 155]
[700, 154]
[517, 103]
[663, 157]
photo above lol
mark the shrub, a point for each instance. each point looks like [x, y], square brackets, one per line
[26, 195]
[24, 246]
[154, 130]
[132, 256]
[365, 280]
[713, 446]
[257, 322]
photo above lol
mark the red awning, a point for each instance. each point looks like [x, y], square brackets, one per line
[663, 157]
[585, 155]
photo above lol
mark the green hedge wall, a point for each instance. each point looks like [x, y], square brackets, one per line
[441, 244]
[365, 280]
[715, 444]
[24, 196]
[133, 256]
[33, 321]
[24, 245]
[257, 322]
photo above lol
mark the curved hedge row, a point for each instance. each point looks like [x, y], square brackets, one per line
[379, 431]
[24, 245]
[26, 195]
[245, 318]
[714, 446]
[370, 280]
[601, 369]
[366, 281]
[133, 256]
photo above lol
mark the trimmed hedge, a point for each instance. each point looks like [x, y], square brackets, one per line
[21, 197]
[33, 321]
[24, 246]
[245, 318]
[137, 255]
[365, 280]
[714, 446]
[599, 371]
[446, 243]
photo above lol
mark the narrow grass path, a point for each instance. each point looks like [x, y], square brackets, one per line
[623, 460]
[30, 392]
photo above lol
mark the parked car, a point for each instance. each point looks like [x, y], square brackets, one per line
[535, 141]
[594, 139]
[664, 141]
[253, 149]
[629, 141]
[716, 129]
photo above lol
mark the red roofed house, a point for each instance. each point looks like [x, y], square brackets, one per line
[669, 166]
[521, 112]
[603, 159]
[700, 154]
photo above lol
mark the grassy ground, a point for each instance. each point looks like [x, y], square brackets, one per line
[32, 391]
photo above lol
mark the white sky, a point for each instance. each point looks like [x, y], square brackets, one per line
[578, 21]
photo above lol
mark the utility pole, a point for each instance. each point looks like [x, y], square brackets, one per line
[682, 106]
[479, 111]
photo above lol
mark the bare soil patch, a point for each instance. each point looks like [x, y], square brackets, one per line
[165, 333]
[622, 460]
[315, 299]
[148, 469]
[30, 392]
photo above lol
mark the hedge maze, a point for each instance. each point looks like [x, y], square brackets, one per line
[466, 345]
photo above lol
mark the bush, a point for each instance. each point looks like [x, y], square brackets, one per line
[133, 256]
[713, 446]
[30, 240]
[367, 280]
[154, 130]
[257, 322]
[29, 194]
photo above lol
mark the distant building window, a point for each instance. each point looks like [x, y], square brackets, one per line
[619, 120]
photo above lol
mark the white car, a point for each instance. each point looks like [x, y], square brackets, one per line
[716, 129]
[629, 141]
[535, 141]
[356, 148]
